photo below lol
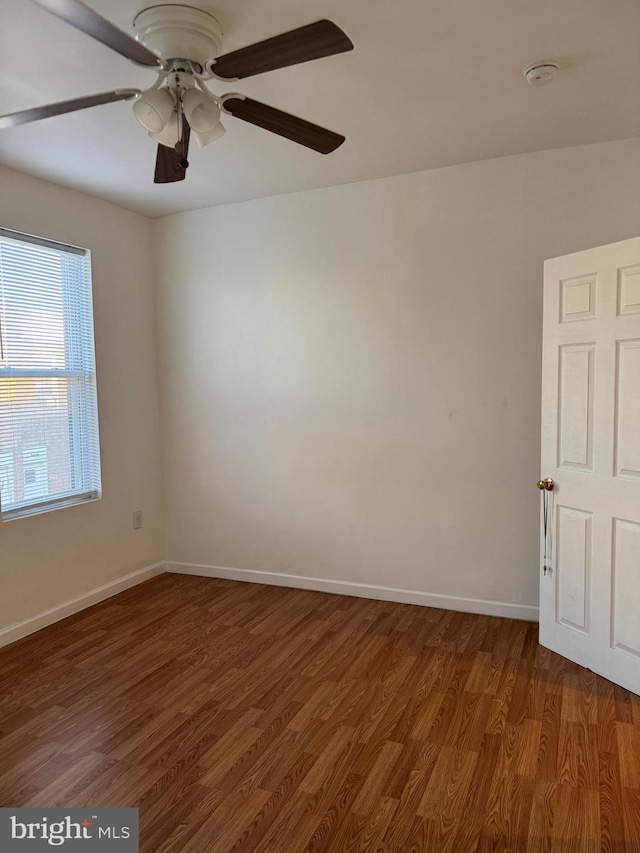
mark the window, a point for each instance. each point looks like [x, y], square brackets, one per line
[49, 446]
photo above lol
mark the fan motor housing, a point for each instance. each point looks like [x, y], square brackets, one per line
[174, 31]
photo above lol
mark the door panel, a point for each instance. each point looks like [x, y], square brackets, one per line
[590, 598]
[573, 568]
[578, 298]
[627, 437]
[575, 403]
[625, 629]
[629, 290]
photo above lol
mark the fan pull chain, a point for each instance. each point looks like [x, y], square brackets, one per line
[180, 125]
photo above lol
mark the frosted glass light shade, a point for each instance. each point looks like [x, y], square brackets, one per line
[154, 109]
[169, 134]
[205, 138]
[201, 111]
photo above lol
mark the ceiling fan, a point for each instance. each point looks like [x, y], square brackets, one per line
[182, 44]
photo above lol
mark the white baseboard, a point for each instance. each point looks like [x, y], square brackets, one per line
[28, 626]
[362, 590]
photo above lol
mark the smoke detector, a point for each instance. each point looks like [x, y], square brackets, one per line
[541, 73]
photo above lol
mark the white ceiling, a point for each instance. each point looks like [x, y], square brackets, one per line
[429, 84]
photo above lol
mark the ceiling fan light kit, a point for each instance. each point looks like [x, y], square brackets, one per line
[158, 109]
[183, 44]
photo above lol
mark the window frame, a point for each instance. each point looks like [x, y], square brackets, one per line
[79, 448]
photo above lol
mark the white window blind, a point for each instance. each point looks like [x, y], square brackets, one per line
[49, 443]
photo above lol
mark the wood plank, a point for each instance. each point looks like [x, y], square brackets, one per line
[628, 737]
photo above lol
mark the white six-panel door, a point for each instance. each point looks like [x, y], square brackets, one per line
[590, 598]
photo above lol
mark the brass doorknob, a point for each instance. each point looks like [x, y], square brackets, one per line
[547, 484]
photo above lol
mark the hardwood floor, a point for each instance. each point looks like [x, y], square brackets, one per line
[250, 718]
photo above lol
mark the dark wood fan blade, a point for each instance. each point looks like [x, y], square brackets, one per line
[172, 163]
[61, 107]
[84, 18]
[323, 38]
[284, 124]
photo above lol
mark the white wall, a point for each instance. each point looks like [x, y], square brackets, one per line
[48, 559]
[351, 376]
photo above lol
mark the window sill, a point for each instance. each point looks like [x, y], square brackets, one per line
[49, 506]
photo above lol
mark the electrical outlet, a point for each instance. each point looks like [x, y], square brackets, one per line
[137, 519]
